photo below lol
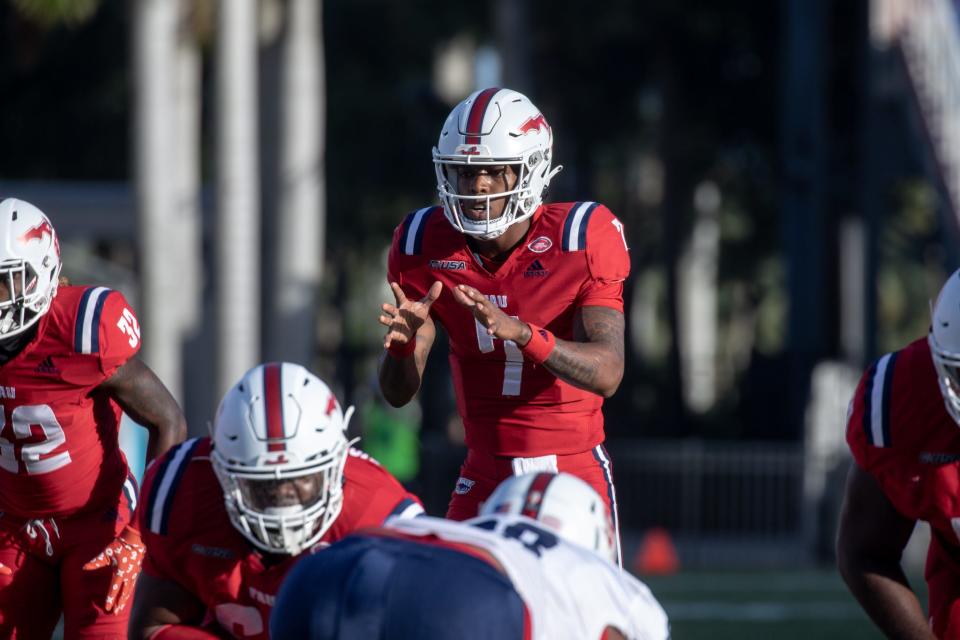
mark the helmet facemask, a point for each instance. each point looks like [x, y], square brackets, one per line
[278, 525]
[26, 300]
[522, 201]
[29, 266]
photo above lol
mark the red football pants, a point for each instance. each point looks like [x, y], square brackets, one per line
[481, 473]
[47, 558]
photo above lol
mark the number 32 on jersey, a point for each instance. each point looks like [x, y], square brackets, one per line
[24, 418]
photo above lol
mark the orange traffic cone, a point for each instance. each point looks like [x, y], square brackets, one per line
[656, 555]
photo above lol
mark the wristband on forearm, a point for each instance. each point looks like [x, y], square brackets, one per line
[540, 346]
[402, 351]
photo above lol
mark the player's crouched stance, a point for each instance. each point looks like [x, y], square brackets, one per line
[902, 432]
[67, 368]
[537, 563]
[225, 518]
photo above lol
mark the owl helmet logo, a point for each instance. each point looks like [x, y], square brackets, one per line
[39, 232]
[533, 124]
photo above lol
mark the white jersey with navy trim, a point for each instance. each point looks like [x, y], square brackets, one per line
[569, 591]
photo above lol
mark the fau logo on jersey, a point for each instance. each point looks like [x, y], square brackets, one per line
[541, 244]
[498, 299]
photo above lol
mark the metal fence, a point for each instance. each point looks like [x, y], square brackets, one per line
[742, 504]
[728, 503]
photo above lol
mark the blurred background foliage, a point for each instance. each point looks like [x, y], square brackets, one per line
[656, 107]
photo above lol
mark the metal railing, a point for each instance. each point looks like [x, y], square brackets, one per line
[696, 487]
[723, 503]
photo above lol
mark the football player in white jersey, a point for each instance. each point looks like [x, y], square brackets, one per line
[537, 563]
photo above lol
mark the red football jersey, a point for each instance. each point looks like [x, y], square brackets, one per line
[575, 255]
[59, 451]
[191, 541]
[900, 432]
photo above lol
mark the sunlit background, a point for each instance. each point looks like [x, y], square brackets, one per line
[788, 173]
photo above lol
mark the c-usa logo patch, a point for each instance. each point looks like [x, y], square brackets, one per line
[463, 486]
[541, 244]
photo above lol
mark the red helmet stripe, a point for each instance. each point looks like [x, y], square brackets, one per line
[475, 119]
[273, 404]
[533, 499]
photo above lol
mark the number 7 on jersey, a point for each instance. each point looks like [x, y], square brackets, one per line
[513, 365]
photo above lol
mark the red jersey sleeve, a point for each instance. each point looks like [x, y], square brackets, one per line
[119, 333]
[388, 497]
[870, 416]
[889, 425]
[608, 261]
[405, 252]
[173, 496]
[370, 496]
[155, 559]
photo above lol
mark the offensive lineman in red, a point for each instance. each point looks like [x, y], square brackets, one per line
[67, 368]
[225, 518]
[903, 433]
[530, 295]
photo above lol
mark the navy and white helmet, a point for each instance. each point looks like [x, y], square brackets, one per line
[29, 265]
[564, 503]
[494, 127]
[279, 449]
[944, 340]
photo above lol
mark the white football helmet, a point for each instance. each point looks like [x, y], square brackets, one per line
[279, 448]
[563, 502]
[29, 266]
[494, 127]
[944, 340]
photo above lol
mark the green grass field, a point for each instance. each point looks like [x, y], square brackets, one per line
[763, 605]
[760, 605]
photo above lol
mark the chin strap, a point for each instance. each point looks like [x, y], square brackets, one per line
[557, 169]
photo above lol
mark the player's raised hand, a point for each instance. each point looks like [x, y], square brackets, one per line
[498, 324]
[405, 317]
